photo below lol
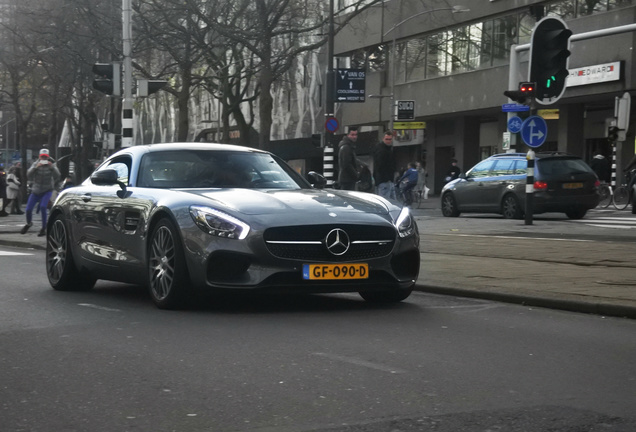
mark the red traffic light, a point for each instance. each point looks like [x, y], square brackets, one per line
[527, 88]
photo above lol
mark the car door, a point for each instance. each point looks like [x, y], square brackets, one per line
[500, 182]
[469, 190]
[104, 221]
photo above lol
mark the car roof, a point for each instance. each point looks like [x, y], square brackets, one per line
[147, 148]
[537, 155]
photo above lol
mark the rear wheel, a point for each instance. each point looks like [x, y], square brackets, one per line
[621, 198]
[386, 296]
[60, 268]
[449, 206]
[167, 273]
[511, 208]
[576, 214]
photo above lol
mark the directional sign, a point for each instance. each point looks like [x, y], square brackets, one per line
[534, 131]
[405, 110]
[331, 124]
[514, 124]
[514, 107]
[350, 85]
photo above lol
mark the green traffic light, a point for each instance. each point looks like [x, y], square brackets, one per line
[547, 84]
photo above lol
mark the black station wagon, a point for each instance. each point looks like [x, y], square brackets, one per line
[563, 183]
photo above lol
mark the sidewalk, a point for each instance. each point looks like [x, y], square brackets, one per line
[559, 276]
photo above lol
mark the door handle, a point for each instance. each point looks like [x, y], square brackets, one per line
[86, 197]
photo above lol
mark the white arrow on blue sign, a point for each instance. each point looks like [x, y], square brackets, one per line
[534, 131]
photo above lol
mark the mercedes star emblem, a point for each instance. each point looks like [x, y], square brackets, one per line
[337, 242]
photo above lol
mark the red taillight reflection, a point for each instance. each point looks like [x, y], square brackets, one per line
[597, 183]
[539, 185]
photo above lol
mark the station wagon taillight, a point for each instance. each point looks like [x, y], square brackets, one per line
[540, 185]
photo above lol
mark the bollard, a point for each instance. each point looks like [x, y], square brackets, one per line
[530, 187]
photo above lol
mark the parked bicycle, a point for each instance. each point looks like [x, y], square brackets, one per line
[619, 197]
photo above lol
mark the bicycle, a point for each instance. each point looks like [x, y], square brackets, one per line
[619, 197]
[413, 198]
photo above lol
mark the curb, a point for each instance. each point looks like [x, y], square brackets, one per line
[563, 302]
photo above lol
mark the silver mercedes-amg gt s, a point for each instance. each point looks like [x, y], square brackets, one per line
[191, 217]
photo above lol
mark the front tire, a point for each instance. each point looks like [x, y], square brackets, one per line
[386, 296]
[449, 206]
[576, 214]
[60, 267]
[167, 274]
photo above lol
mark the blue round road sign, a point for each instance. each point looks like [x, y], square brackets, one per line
[332, 124]
[534, 131]
[514, 124]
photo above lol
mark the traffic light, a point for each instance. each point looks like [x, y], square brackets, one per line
[148, 87]
[109, 81]
[612, 133]
[549, 54]
[524, 95]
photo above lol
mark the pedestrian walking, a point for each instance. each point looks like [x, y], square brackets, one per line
[348, 163]
[44, 175]
[13, 192]
[3, 192]
[384, 166]
[421, 180]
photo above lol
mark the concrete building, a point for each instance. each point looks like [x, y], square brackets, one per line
[455, 66]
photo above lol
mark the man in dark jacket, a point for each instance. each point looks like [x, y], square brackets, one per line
[347, 161]
[384, 166]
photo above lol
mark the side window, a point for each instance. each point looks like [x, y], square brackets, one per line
[503, 167]
[122, 166]
[521, 167]
[482, 169]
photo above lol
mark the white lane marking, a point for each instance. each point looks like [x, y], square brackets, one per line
[612, 226]
[88, 305]
[359, 362]
[513, 237]
[6, 253]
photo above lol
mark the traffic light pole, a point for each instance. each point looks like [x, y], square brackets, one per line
[127, 124]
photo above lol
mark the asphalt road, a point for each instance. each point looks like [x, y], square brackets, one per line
[108, 360]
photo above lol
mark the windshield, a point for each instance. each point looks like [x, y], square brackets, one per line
[216, 169]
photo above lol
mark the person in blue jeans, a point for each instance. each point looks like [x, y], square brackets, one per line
[407, 183]
[44, 175]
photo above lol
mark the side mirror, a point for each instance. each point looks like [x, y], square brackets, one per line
[109, 177]
[318, 181]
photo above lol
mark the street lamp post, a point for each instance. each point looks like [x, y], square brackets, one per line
[454, 9]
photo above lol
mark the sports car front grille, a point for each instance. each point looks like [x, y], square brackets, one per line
[307, 243]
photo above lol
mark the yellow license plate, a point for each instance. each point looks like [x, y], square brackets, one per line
[335, 271]
[572, 185]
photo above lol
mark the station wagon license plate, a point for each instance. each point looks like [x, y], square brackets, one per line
[572, 185]
[335, 271]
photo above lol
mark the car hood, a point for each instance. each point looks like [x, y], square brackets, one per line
[273, 201]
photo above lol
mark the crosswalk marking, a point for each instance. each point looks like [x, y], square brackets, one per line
[609, 222]
[7, 253]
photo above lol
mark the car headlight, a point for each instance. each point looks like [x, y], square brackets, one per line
[219, 224]
[405, 223]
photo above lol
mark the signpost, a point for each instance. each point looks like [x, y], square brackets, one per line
[514, 124]
[405, 109]
[350, 85]
[534, 131]
[331, 124]
[514, 107]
